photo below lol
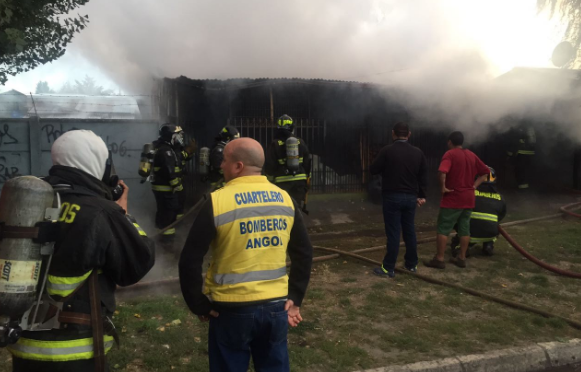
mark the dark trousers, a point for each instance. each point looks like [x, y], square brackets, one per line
[399, 211]
[168, 206]
[522, 170]
[259, 331]
[296, 189]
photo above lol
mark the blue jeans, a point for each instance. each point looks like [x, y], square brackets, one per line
[257, 330]
[399, 211]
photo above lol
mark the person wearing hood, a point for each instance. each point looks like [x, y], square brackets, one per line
[293, 181]
[100, 246]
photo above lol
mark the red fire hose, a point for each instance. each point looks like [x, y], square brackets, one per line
[535, 260]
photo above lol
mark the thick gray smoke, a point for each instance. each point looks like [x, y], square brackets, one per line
[427, 50]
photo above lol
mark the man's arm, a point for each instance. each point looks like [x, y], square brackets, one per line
[300, 252]
[442, 178]
[270, 160]
[378, 163]
[201, 235]
[423, 178]
[479, 181]
[130, 254]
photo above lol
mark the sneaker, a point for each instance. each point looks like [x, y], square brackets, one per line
[412, 269]
[458, 262]
[380, 271]
[435, 263]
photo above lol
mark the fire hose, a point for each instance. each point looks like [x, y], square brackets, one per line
[535, 260]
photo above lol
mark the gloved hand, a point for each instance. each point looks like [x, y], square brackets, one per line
[191, 147]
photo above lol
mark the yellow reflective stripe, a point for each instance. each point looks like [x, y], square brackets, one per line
[280, 143]
[170, 231]
[177, 169]
[482, 240]
[161, 188]
[139, 229]
[484, 216]
[180, 215]
[174, 182]
[57, 351]
[525, 152]
[281, 161]
[297, 177]
[179, 188]
[523, 186]
[155, 169]
[285, 122]
[64, 285]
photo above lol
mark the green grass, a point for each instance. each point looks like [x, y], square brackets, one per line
[354, 320]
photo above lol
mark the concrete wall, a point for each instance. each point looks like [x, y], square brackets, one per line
[25, 149]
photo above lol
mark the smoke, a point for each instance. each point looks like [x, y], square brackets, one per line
[440, 55]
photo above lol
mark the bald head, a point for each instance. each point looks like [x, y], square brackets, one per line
[246, 151]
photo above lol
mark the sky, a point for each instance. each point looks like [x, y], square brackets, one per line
[425, 43]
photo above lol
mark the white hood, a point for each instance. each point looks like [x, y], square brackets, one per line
[81, 149]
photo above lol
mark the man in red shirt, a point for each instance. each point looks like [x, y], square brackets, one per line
[457, 172]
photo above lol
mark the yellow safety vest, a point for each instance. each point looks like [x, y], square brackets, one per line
[253, 219]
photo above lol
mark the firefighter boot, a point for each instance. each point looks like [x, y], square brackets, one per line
[488, 248]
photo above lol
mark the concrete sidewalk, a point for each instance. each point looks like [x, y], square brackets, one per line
[549, 356]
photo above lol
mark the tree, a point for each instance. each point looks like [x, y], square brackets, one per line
[34, 32]
[568, 10]
[42, 87]
[87, 86]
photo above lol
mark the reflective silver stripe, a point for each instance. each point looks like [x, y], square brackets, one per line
[57, 351]
[249, 212]
[252, 276]
[61, 287]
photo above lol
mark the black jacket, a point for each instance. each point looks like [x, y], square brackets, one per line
[216, 176]
[167, 168]
[101, 237]
[403, 169]
[201, 235]
[489, 202]
[275, 161]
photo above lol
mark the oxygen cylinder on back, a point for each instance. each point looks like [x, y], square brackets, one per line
[292, 154]
[23, 203]
[204, 164]
[146, 162]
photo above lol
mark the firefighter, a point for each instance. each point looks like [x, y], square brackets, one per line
[99, 247]
[522, 151]
[276, 167]
[488, 211]
[184, 154]
[167, 183]
[216, 175]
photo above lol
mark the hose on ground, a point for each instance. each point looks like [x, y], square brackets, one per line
[473, 292]
[530, 257]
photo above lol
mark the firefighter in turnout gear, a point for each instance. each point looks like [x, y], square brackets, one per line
[184, 154]
[167, 182]
[488, 211]
[522, 150]
[278, 167]
[99, 247]
[216, 175]
[248, 297]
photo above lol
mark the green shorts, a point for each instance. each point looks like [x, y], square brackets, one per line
[448, 217]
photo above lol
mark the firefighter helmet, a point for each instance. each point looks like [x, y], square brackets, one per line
[286, 122]
[491, 176]
[171, 133]
[228, 133]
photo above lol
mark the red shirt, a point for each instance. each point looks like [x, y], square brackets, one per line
[461, 167]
